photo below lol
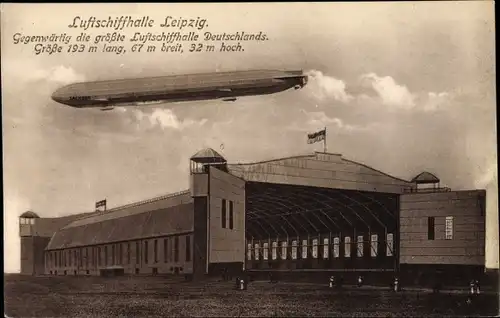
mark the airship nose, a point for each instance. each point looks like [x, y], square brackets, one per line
[57, 97]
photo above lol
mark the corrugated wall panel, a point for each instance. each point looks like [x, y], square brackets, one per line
[226, 245]
[466, 247]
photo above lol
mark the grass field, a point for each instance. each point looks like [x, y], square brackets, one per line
[27, 296]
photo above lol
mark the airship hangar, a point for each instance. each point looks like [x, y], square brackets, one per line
[314, 214]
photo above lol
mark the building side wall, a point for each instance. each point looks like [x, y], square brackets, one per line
[200, 251]
[199, 184]
[465, 244]
[39, 244]
[27, 255]
[171, 256]
[226, 245]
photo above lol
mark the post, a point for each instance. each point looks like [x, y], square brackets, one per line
[324, 142]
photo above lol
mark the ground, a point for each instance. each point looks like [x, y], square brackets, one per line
[27, 296]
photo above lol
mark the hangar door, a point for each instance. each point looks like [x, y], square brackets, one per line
[443, 227]
[226, 228]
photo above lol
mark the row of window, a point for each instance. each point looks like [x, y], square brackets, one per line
[431, 228]
[99, 255]
[256, 251]
[227, 222]
[27, 221]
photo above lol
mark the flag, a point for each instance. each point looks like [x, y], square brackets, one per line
[317, 136]
[101, 203]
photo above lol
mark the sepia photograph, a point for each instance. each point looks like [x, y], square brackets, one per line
[250, 159]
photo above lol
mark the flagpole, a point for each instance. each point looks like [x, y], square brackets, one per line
[324, 142]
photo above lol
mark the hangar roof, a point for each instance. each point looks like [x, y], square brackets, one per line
[320, 169]
[163, 215]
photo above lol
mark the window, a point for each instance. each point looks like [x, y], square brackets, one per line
[304, 249]
[223, 216]
[390, 244]
[165, 250]
[294, 249]
[176, 249]
[325, 248]
[231, 217]
[249, 252]
[275, 250]
[87, 258]
[360, 246]
[146, 252]
[99, 263]
[265, 253]
[120, 253]
[137, 253]
[257, 252]
[188, 248]
[336, 247]
[430, 228]
[128, 253]
[156, 250]
[284, 250]
[347, 247]
[315, 248]
[113, 254]
[106, 255]
[449, 228]
[374, 245]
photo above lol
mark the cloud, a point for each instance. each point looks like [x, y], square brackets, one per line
[318, 120]
[35, 73]
[389, 92]
[323, 87]
[488, 178]
[436, 101]
[164, 118]
[61, 75]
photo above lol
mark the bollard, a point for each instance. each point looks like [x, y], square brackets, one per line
[242, 284]
[332, 282]
[396, 284]
[360, 281]
[472, 286]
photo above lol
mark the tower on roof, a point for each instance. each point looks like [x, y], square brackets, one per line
[426, 181]
[204, 158]
[31, 256]
[28, 217]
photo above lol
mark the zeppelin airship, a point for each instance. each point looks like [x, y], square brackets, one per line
[226, 86]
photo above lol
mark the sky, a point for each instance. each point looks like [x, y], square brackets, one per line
[402, 87]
